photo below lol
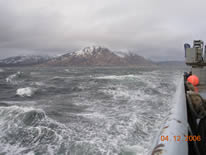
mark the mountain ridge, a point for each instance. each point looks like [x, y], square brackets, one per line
[88, 56]
[23, 60]
[98, 56]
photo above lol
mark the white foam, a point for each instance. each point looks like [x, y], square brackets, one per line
[137, 149]
[38, 83]
[67, 70]
[118, 77]
[34, 73]
[19, 102]
[28, 91]
[12, 122]
[12, 78]
[121, 92]
[126, 119]
[60, 77]
[92, 115]
[10, 149]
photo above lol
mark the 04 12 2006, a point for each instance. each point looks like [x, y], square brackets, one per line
[180, 138]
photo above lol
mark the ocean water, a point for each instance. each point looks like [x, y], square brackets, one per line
[83, 111]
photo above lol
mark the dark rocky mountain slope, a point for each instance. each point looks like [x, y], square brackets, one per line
[98, 56]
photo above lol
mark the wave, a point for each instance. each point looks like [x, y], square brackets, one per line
[60, 77]
[29, 131]
[148, 98]
[145, 86]
[67, 70]
[1, 70]
[117, 77]
[10, 103]
[34, 73]
[38, 83]
[119, 93]
[13, 79]
[26, 92]
[120, 116]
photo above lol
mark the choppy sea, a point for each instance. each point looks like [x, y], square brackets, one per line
[83, 111]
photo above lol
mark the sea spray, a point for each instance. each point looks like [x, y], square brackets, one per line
[26, 92]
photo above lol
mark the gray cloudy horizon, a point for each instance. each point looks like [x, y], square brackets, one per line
[155, 29]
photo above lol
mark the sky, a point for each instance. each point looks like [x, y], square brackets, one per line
[155, 29]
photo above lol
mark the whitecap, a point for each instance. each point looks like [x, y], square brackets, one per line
[34, 73]
[67, 70]
[92, 115]
[12, 78]
[37, 129]
[60, 77]
[26, 92]
[18, 102]
[38, 83]
[118, 77]
[120, 92]
[137, 149]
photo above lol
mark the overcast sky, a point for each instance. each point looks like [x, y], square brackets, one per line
[156, 29]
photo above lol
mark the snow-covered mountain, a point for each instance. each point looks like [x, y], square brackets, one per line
[88, 56]
[24, 60]
[98, 56]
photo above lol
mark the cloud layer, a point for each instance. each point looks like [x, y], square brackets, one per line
[155, 29]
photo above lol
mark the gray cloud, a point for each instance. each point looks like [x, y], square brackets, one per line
[155, 29]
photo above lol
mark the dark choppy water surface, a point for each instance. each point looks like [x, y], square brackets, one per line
[83, 111]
